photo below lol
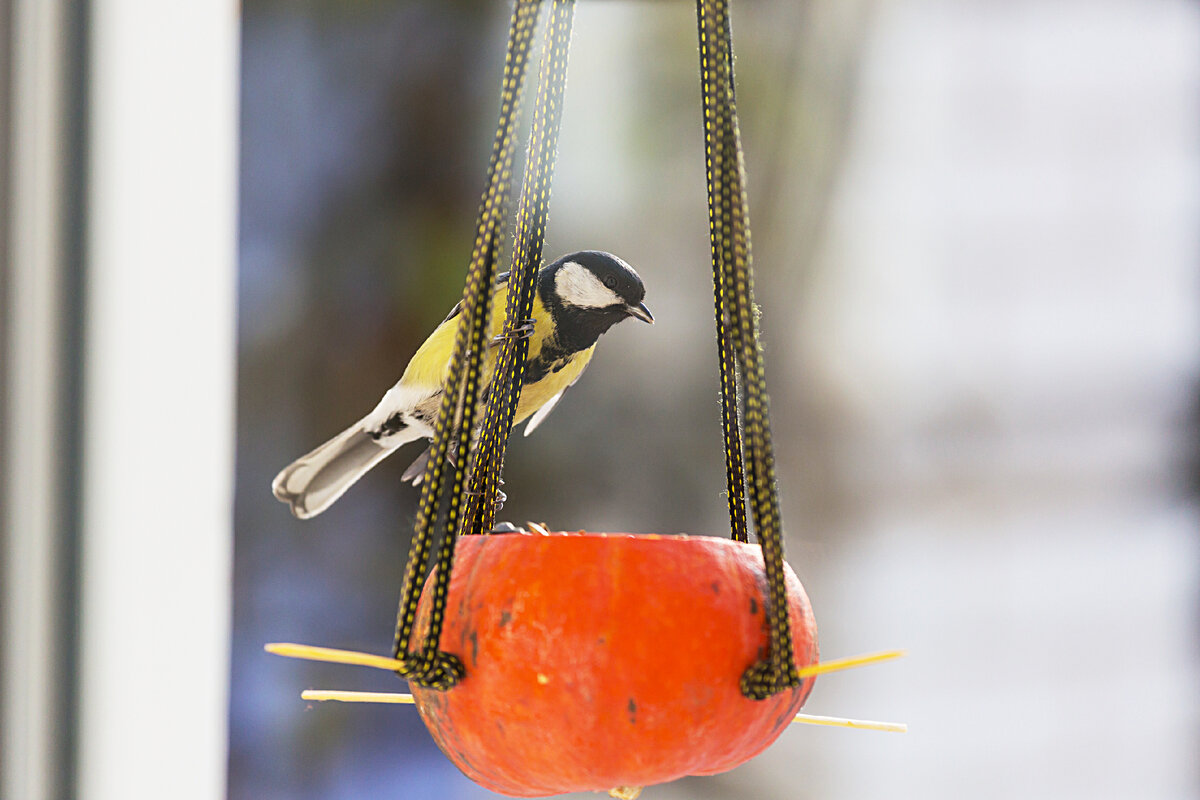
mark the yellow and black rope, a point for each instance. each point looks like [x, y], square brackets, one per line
[530, 236]
[749, 458]
[720, 227]
[428, 666]
[737, 337]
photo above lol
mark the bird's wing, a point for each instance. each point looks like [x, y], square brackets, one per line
[430, 366]
[501, 279]
[542, 413]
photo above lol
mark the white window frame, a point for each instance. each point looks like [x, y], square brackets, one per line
[138, 540]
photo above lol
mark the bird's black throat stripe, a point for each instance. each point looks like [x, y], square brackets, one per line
[551, 359]
[575, 330]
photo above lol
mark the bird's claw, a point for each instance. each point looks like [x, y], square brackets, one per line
[500, 497]
[522, 331]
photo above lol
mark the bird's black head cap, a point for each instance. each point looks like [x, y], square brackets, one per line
[588, 292]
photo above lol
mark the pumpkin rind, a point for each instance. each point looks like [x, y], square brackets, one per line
[597, 660]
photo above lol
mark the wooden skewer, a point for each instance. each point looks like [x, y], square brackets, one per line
[863, 724]
[329, 654]
[321, 695]
[839, 664]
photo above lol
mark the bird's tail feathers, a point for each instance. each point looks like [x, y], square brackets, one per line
[311, 483]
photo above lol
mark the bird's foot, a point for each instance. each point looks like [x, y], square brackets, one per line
[522, 331]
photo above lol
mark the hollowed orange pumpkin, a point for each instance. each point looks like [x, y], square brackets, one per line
[603, 660]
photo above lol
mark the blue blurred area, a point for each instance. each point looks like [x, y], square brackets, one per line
[361, 134]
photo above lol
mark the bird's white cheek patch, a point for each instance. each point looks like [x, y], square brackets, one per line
[577, 286]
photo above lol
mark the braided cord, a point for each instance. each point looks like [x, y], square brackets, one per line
[733, 287]
[532, 212]
[428, 666]
[720, 233]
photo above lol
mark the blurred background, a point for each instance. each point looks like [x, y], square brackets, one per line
[976, 239]
[975, 234]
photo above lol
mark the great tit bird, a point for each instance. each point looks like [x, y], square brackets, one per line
[578, 298]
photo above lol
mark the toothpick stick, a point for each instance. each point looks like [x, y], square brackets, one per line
[356, 697]
[839, 664]
[310, 653]
[839, 722]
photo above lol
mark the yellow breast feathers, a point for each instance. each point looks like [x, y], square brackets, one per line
[430, 366]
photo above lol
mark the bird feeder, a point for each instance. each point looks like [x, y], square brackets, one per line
[597, 660]
[546, 663]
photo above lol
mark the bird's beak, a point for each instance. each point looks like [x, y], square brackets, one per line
[641, 312]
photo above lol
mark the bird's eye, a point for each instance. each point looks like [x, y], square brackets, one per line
[610, 281]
